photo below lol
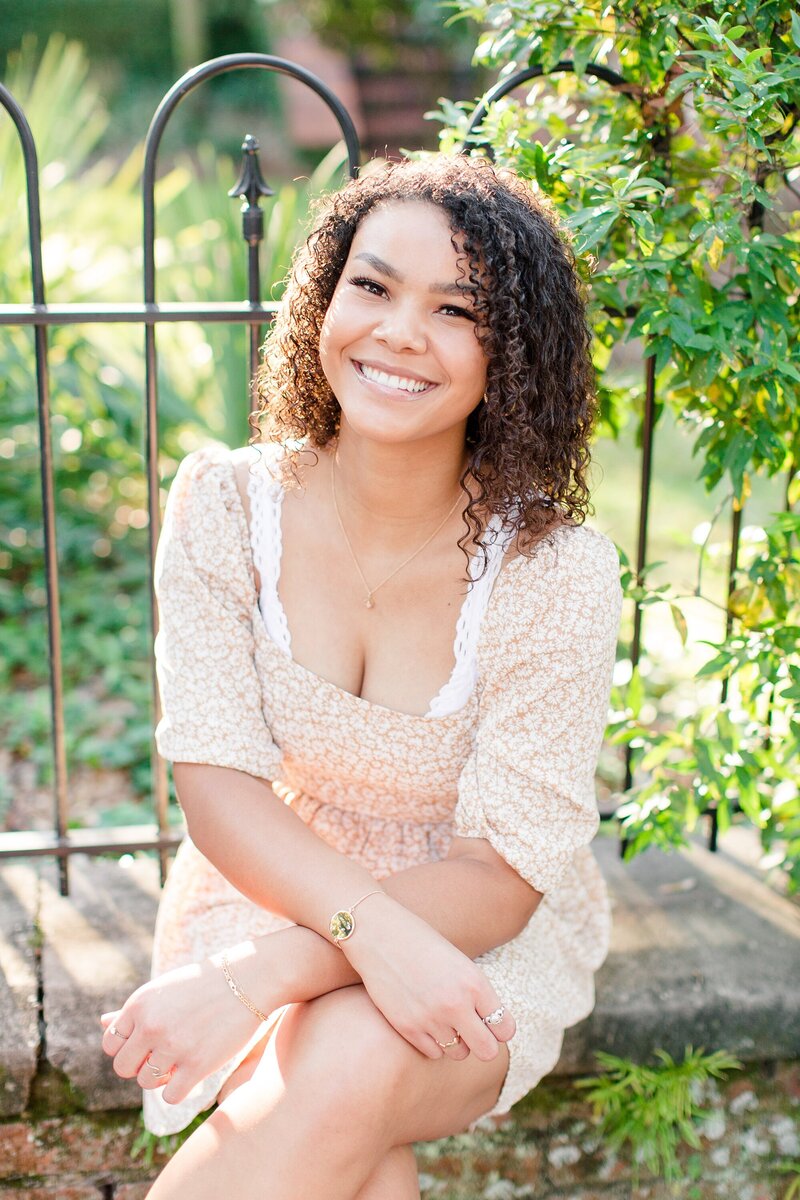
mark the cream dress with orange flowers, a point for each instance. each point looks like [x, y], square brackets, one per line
[507, 751]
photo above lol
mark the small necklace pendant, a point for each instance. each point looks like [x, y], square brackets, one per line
[369, 602]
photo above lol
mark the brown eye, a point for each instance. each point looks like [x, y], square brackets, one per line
[368, 285]
[455, 310]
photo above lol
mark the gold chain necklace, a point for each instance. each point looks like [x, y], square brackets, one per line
[369, 602]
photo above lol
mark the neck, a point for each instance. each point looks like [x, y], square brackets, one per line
[397, 488]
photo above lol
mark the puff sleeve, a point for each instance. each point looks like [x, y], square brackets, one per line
[546, 657]
[205, 651]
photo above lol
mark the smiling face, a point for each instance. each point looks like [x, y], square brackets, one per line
[398, 344]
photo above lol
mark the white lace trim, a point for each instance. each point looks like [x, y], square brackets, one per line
[454, 694]
[266, 493]
[266, 502]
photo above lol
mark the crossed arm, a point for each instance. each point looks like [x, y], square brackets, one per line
[412, 948]
[473, 899]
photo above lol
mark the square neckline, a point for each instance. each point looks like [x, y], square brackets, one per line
[260, 474]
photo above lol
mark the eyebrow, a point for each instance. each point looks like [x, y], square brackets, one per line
[384, 268]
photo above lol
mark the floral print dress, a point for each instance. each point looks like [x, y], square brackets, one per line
[514, 764]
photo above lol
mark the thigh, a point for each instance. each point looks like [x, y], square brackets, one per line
[344, 1043]
[394, 1178]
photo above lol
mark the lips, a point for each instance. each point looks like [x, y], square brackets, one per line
[407, 384]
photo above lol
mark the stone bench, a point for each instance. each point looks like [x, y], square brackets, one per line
[703, 952]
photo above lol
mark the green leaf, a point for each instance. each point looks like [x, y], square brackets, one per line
[796, 28]
[634, 694]
[680, 622]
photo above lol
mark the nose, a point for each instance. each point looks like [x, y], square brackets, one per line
[401, 328]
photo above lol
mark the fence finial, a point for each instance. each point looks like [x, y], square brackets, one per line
[252, 186]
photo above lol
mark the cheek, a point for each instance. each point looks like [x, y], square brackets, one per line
[335, 329]
[327, 345]
[477, 364]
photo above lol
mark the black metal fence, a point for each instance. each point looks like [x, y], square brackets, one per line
[60, 841]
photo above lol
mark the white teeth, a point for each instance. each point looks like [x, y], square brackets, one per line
[393, 381]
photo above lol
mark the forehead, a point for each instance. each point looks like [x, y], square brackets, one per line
[416, 232]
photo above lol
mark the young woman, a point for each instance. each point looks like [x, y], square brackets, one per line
[385, 656]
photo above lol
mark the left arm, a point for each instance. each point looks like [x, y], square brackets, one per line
[472, 897]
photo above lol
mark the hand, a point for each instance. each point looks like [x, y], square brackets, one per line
[182, 1026]
[424, 986]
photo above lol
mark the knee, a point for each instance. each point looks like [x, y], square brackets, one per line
[356, 1056]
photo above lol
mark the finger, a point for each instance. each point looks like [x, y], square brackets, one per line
[458, 1051]
[179, 1085]
[483, 1038]
[107, 1018]
[504, 1029]
[128, 1061]
[427, 1045]
[480, 1040]
[154, 1072]
[116, 1033]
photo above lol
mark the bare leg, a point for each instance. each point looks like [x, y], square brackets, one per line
[395, 1178]
[337, 1091]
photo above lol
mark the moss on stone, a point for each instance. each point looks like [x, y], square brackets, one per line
[53, 1095]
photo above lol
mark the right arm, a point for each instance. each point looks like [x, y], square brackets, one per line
[474, 900]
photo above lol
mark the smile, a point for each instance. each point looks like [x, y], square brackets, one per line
[398, 383]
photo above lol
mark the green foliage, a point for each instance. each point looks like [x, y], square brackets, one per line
[91, 232]
[676, 188]
[149, 1146]
[680, 191]
[651, 1110]
[790, 1166]
[744, 753]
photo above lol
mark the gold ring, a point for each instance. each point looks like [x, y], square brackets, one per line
[156, 1070]
[113, 1029]
[453, 1042]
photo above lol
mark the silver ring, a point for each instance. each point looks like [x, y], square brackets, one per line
[156, 1071]
[113, 1029]
[494, 1018]
[453, 1041]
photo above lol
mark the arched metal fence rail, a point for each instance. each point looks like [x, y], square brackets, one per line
[61, 842]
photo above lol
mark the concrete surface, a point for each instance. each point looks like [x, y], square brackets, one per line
[703, 952]
[96, 951]
[19, 1027]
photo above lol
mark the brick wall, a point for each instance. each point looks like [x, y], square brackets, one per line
[548, 1148]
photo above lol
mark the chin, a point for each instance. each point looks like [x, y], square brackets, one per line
[386, 428]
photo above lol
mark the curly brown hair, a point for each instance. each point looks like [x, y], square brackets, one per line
[528, 439]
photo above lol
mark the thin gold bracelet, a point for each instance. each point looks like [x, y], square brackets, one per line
[238, 993]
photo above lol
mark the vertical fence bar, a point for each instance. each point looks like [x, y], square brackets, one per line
[60, 797]
[644, 516]
[251, 186]
[733, 565]
[158, 766]
[61, 801]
